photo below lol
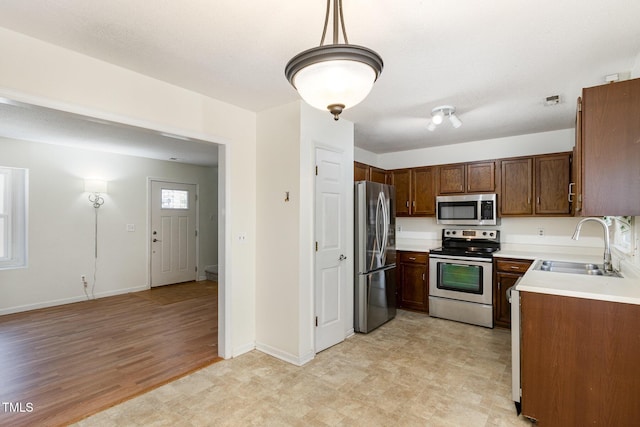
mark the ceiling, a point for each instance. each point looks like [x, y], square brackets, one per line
[495, 60]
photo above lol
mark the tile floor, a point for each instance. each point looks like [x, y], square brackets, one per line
[412, 371]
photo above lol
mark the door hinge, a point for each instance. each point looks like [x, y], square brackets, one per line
[196, 233]
[316, 320]
[316, 246]
[196, 268]
[196, 197]
[316, 170]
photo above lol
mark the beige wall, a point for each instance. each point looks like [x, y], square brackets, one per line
[44, 74]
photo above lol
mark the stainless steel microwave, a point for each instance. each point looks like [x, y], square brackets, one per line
[468, 209]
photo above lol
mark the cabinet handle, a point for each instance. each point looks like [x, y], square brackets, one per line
[538, 199]
[407, 203]
[571, 193]
[412, 258]
[414, 203]
[528, 200]
[423, 276]
[499, 285]
[514, 267]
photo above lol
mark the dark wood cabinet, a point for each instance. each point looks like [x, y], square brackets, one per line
[379, 175]
[516, 186]
[536, 185]
[415, 191]
[401, 179]
[552, 178]
[506, 272]
[451, 178]
[476, 177]
[579, 361]
[363, 172]
[413, 290]
[481, 177]
[360, 172]
[608, 150]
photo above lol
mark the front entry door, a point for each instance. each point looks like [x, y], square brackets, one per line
[330, 270]
[173, 233]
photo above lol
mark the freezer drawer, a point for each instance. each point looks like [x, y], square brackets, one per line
[375, 299]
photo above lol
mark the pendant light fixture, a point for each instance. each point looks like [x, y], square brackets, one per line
[334, 76]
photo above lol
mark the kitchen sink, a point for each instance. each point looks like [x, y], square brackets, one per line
[574, 268]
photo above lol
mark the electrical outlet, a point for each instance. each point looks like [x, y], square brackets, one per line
[83, 278]
[541, 232]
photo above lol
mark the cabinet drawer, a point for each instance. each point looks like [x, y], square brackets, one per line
[511, 265]
[416, 257]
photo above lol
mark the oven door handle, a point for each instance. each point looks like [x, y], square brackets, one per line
[460, 265]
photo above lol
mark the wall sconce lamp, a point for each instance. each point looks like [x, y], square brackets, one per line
[439, 113]
[96, 187]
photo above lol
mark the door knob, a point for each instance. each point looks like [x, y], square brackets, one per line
[342, 257]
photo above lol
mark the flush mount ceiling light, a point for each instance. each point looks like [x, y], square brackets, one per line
[335, 76]
[439, 113]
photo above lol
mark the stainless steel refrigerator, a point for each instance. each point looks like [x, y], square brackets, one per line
[375, 255]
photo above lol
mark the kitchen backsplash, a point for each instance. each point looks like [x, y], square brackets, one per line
[552, 231]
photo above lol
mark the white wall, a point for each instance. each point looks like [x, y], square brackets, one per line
[43, 74]
[61, 223]
[521, 145]
[287, 138]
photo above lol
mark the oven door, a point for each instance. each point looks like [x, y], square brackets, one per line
[461, 278]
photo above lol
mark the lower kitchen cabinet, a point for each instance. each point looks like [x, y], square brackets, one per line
[579, 361]
[413, 290]
[506, 272]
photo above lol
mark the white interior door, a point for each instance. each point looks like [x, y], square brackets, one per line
[330, 268]
[173, 233]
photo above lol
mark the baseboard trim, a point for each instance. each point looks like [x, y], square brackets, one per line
[285, 356]
[54, 303]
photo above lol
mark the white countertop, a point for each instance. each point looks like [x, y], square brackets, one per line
[615, 289]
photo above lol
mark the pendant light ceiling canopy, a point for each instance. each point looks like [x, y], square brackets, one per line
[335, 76]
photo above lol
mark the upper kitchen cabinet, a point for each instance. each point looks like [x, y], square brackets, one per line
[517, 186]
[608, 143]
[379, 175]
[363, 172]
[552, 178]
[459, 178]
[415, 191]
[537, 185]
[360, 172]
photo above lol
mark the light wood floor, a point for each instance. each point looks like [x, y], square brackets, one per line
[71, 361]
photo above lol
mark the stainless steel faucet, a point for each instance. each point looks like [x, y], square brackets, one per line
[608, 267]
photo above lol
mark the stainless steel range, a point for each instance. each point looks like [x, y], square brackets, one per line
[461, 276]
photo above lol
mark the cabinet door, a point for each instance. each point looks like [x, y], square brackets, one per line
[552, 184]
[401, 178]
[502, 307]
[423, 191]
[451, 178]
[611, 152]
[413, 292]
[360, 172]
[517, 186]
[378, 175]
[481, 177]
[576, 167]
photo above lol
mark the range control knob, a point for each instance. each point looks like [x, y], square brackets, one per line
[484, 233]
[491, 234]
[453, 232]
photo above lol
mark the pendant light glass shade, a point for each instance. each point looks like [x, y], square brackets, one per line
[335, 76]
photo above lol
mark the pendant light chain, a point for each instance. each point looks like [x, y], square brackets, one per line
[337, 17]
